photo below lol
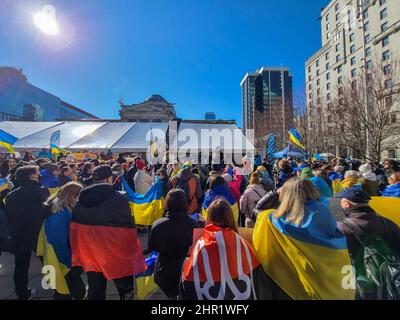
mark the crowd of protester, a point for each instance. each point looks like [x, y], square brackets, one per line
[202, 253]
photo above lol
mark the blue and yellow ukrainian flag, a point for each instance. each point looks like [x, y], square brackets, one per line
[146, 208]
[145, 284]
[336, 182]
[387, 207]
[7, 141]
[216, 193]
[295, 138]
[55, 142]
[291, 256]
[4, 184]
[52, 250]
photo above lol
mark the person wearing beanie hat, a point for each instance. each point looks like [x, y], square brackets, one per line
[307, 173]
[142, 179]
[140, 164]
[369, 179]
[362, 221]
[104, 239]
[322, 186]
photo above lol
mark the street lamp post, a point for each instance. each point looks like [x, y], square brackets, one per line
[361, 15]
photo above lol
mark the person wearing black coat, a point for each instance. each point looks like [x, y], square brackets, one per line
[171, 237]
[269, 201]
[24, 211]
[361, 220]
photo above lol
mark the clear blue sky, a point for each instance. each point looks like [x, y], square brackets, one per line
[193, 52]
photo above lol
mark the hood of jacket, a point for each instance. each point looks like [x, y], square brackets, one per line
[392, 191]
[370, 176]
[48, 180]
[185, 174]
[220, 191]
[95, 195]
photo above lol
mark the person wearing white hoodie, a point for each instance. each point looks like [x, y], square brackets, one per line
[369, 179]
[142, 179]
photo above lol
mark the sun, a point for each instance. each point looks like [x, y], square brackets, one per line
[46, 20]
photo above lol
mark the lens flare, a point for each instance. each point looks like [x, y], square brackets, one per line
[46, 20]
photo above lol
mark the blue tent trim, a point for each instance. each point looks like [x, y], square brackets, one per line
[290, 152]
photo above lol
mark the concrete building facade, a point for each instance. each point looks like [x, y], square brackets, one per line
[354, 34]
[155, 108]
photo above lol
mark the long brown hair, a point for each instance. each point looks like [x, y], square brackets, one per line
[220, 214]
[65, 198]
[295, 193]
[255, 178]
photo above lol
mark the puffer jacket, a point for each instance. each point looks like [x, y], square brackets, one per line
[143, 182]
[269, 201]
[234, 185]
[248, 201]
[392, 191]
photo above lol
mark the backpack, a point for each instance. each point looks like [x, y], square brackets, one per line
[377, 268]
[184, 185]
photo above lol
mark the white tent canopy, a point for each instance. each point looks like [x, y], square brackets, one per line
[208, 136]
[119, 137]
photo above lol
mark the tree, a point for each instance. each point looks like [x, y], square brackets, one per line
[363, 109]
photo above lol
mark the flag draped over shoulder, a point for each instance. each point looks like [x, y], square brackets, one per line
[145, 284]
[387, 207]
[295, 138]
[103, 234]
[221, 266]
[271, 146]
[7, 141]
[146, 208]
[336, 182]
[220, 192]
[53, 247]
[291, 256]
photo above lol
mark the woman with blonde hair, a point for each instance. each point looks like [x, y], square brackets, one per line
[299, 244]
[222, 265]
[54, 245]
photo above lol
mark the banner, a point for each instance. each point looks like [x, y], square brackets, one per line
[271, 146]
